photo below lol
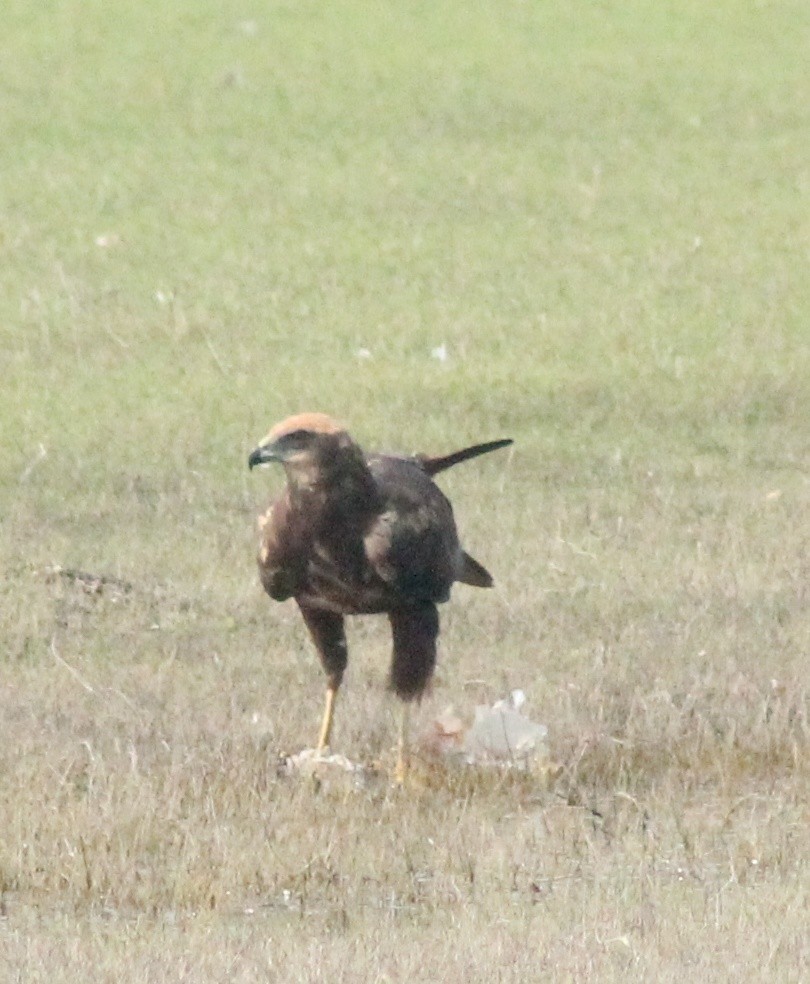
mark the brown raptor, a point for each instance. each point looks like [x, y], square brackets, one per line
[356, 534]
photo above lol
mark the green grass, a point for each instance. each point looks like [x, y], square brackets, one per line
[206, 212]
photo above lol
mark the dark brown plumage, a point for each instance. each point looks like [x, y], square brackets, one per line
[356, 534]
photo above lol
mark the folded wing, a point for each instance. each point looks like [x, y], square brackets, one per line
[413, 544]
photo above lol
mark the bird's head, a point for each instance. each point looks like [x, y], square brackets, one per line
[307, 445]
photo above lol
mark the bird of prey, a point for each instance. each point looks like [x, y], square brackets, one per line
[356, 534]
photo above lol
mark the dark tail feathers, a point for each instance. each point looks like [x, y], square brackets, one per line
[473, 573]
[438, 464]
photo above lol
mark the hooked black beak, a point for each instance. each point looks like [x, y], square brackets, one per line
[262, 456]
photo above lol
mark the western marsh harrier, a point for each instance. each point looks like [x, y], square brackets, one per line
[359, 534]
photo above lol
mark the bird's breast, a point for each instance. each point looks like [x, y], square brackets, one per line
[340, 579]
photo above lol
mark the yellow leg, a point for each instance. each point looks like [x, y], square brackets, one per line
[402, 753]
[328, 715]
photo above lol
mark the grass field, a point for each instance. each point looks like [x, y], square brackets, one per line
[602, 212]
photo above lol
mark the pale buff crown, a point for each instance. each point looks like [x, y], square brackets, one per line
[316, 423]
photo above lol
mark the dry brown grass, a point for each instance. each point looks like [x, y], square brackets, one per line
[146, 823]
[659, 625]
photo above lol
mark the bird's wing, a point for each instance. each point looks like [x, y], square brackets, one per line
[412, 544]
[286, 543]
[439, 463]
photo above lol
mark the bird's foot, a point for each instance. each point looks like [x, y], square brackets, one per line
[401, 769]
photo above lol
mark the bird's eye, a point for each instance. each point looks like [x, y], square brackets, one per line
[297, 437]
